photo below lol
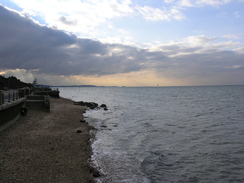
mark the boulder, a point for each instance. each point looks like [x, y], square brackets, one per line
[78, 131]
[103, 106]
[95, 172]
[91, 105]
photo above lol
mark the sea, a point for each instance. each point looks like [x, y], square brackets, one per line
[166, 134]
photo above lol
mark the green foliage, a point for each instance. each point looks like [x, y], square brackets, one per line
[12, 83]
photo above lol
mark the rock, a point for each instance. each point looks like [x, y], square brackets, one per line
[78, 131]
[23, 111]
[79, 103]
[105, 109]
[94, 104]
[95, 172]
[103, 106]
[91, 105]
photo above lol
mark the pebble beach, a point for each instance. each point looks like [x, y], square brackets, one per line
[50, 146]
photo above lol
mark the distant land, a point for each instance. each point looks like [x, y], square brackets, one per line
[68, 86]
[134, 86]
[40, 85]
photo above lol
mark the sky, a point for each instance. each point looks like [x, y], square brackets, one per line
[123, 42]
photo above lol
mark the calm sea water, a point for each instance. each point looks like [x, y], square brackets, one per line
[167, 134]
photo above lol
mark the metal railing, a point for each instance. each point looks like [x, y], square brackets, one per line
[13, 95]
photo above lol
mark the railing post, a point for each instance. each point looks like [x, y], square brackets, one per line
[47, 103]
[27, 91]
[9, 97]
[24, 92]
[21, 93]
[1, 98]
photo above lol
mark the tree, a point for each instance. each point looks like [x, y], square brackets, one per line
[35, 82]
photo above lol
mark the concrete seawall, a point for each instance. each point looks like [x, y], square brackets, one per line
[13, 101]
[9, 112]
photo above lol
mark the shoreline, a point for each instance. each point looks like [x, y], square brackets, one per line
[48, 146]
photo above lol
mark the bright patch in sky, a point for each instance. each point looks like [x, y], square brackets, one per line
[172, 42]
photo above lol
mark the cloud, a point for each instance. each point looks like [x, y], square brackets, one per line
[150, 13]
[67, 21]
[84, 16]
[40, 50]
[156, 14]
[199, 40]
[194, 3]
[212, 2]
[237, 14]
[231, 36]
[175, 11]
[27, 45]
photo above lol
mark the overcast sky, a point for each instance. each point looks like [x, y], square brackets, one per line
[123, 42]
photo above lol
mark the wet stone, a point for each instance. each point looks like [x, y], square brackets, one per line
[78, 131]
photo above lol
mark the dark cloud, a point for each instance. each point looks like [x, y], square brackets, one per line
[204, 65]
[66, 21]
[27, 45]
[30, 46]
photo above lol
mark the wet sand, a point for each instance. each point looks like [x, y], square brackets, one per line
[47, 146]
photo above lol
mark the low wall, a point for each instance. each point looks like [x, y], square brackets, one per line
[10, 111]
[38, 101]
[51, 93]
